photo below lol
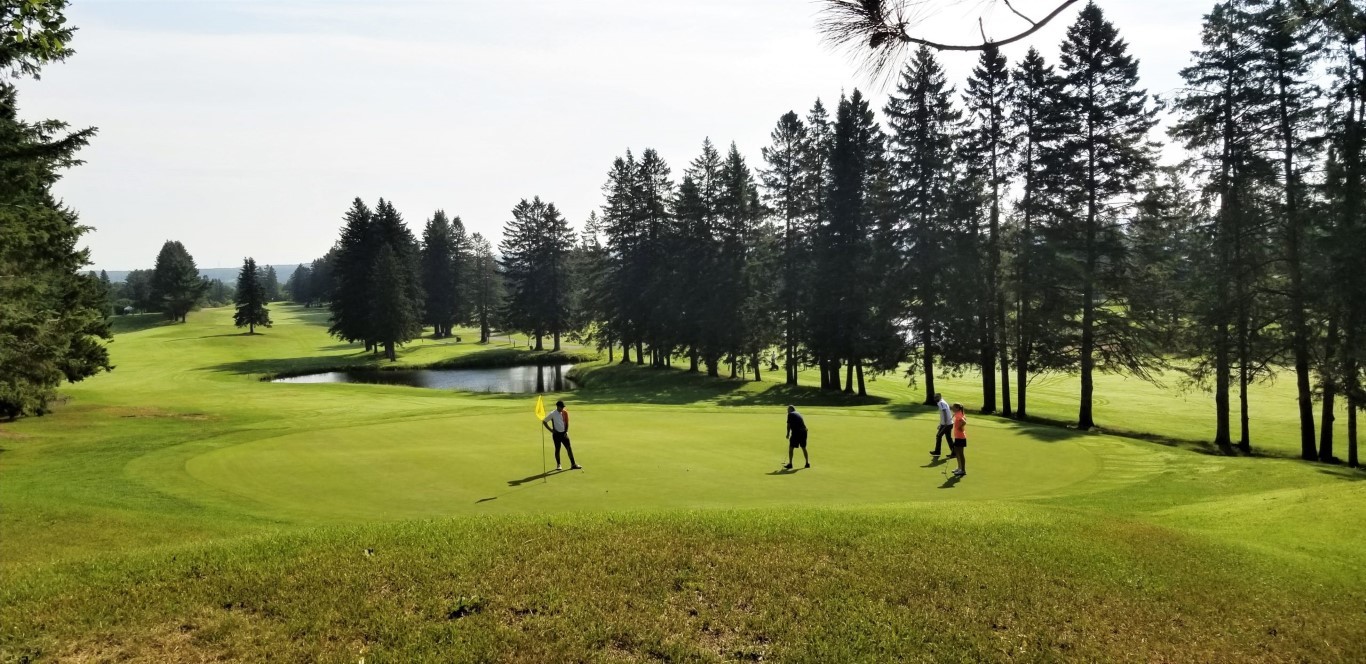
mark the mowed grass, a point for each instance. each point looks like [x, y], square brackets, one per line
[179, 509]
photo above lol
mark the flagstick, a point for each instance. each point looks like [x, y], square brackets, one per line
[543, 470]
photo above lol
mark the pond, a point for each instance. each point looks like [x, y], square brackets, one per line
[512, 380]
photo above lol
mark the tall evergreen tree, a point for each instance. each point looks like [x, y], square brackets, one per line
[1284, 57]
[351, 273]
[1033, 117]
[251, 298]
[397, 314]
[440, 280]
[176, 284]
[487, 291]
[51, 316]
[922, 122]
[786, 193]
[535, 249]
[1344, 242]
[394, 322]
[698, 211]
[1107, 118]
[271, 284]
[297, 286]
[987, 147]
[1223, 111]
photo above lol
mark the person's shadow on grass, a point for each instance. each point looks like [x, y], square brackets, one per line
[950, 481]
[533, 478]
[784, 471]
[937, 461]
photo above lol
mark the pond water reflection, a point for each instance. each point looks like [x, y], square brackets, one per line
[512, 380]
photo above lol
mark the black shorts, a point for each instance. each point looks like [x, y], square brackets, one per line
[798, 439]
[560, 437]
[959, 442]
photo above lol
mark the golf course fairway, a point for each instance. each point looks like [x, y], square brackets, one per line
[181, 508]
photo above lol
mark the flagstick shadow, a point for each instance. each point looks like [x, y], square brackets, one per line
[533, 478]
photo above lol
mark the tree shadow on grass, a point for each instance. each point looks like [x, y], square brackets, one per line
[216, 336]
[138, 322]
[620, 383]
[1345, 473]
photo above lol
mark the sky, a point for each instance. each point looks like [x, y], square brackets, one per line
[246, 127]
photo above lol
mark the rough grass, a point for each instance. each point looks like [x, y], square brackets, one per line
[180, 509]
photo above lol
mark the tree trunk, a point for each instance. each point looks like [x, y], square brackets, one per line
[849, 378]
[611, 348]
[858, 370]
[928, 359]
[757, 377]
[557, 340]
[1085, 417]
[625, 353]
[692, 361]
[538, 341]
[1330, 391]
[389, 351]
[640, 352]
[1352, 406]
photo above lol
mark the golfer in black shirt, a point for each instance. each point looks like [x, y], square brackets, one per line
[796, 436]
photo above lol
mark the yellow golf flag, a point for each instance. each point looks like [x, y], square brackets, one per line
[540, 408]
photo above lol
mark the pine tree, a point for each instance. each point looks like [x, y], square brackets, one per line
[298, 285]
[349, 300]
[785, 192]
[176, 284]
[1034, 123]
[988, 148]
[922, 123]
[439, 276]
[1224, 110]
[397, 316]
[1107, 119]
[395, 322]
[535, 248]
[697, 247]
[487, 289]
[1284, 57]
[251, 298]
[271, 284]
[1344, 242]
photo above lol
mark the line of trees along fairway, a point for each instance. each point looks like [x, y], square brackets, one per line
[52, 316]
[1017, 228]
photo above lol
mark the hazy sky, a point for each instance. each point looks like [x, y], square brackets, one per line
[244, 127]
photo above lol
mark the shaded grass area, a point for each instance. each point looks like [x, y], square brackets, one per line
[982, 583]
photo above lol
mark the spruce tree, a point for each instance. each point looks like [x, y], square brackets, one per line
[785, 192]
[987, 148]
[271, 284]
[1107, 118]
[251, 298]
[1224, 109]
[535, 249]
[397, 315]
[922, 122]
[51, 316]
[394, 322]
[349, 299]
[1033, 121]
[487, 291]
[697, 248]
[439, 277]
[176, 284]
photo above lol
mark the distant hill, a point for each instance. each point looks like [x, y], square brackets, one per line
[227, 274]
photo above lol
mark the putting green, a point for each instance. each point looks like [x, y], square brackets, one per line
[643, 459]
